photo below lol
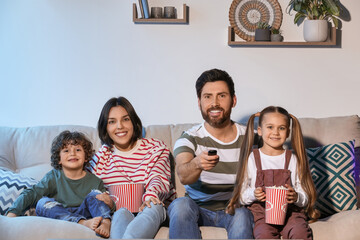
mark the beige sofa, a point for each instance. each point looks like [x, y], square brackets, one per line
[26, 151]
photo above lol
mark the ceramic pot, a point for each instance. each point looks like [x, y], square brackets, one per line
[316, 30]
[276, 38]
[262, 35]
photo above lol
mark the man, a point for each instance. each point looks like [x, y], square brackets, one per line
[209, 179]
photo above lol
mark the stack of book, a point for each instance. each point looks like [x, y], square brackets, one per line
[144, 8]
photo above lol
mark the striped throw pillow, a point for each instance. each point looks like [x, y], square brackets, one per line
[332, 169]
[11, 185]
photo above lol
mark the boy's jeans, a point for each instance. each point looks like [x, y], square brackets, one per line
[90, 208]
[186, 217]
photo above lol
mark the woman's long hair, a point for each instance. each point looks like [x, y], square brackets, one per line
[297, 143]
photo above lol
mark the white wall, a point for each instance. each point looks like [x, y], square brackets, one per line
[60, 60]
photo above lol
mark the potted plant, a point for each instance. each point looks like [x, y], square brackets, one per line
[317, 14]
[276, 35]
[262, 31]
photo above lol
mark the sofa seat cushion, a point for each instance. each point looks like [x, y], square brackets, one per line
[40, 228]
[342, 225]
[206, 233]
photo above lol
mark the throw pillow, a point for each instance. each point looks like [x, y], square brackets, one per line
[11, 185]
[332, 169]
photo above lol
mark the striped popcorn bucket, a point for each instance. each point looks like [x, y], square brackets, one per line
[127, 195]
[276, 205]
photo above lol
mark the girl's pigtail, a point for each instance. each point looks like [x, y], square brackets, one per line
[304, 173]
[245, 150]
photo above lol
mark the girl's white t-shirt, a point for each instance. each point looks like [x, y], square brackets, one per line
[271, 162]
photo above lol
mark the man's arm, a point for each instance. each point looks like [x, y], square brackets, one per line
[189, 167]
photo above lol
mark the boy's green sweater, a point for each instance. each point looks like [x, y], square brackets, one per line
[68, 192]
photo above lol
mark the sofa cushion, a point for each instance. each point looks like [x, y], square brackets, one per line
[11, 185]
[323, 131]
[41, 228]
[332, 169]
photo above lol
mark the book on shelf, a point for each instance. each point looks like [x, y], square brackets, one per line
[145, 7]
[141, 8]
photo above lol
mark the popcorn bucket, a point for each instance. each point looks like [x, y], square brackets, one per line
[127, 195]
[276, 205]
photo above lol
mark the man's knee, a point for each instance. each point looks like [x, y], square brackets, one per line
[240, 224]
[183, 207]
[243, 214]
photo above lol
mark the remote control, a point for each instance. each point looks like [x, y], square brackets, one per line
[212, 152]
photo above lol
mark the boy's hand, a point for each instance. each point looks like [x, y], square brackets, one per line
[147, 203]
[10, 214]
[291, 196]
[106, 199]
[259, 194]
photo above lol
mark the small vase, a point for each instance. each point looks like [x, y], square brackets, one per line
[262, 35]
[315, 30]
[276, 38]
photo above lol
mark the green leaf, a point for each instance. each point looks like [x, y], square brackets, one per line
[336, 21]
[332, 7]
[298, 16]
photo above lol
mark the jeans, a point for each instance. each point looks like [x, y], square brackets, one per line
[186, 217]
[145, 224]
[90, 208]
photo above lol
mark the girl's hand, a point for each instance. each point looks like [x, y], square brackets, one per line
[105, 197]
[147, 203]
[259, 194]
[292, 195]
[10, 214]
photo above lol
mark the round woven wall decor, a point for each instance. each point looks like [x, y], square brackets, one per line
[245, 14]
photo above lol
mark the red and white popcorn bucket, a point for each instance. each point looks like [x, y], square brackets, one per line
[276, 205]
[128, 195]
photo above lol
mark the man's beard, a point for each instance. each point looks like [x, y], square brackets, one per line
[218, 122]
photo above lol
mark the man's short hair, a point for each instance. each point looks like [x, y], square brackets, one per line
[214, 75]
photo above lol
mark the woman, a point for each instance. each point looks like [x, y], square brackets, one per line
[126, 157]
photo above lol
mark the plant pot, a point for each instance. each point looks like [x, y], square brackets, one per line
[276, 38]
[262, 35]
[316, 30]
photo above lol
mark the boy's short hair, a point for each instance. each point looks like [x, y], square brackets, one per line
[73, 138]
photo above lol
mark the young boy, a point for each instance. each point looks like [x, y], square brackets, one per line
[68, 192]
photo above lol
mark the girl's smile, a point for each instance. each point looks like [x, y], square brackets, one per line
[274, 130]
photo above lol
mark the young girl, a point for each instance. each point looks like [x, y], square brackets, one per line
[127, 157]
[272, 165]
[68, 192]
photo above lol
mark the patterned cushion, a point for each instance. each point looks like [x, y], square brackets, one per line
[11, 185]
[332, 169]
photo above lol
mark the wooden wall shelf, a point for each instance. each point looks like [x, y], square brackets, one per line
[184, 20]
[330, 42]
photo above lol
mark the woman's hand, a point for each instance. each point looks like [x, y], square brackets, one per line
[147, 203]
[10, 214]
[292, 195]
[259, 194]
[105, 197]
